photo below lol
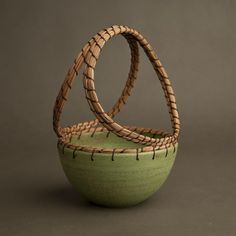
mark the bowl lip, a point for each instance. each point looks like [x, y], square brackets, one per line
[68, 132]
[91, 155]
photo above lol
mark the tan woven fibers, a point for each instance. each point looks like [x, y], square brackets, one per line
[88, 58]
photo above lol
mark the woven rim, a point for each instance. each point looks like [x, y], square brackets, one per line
[89, 56]
[66, 141]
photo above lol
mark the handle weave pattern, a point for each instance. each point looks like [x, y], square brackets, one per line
[88, 57]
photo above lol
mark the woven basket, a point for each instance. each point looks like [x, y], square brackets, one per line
[111, 164]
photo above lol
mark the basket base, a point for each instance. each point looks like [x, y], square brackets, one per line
[117, 205]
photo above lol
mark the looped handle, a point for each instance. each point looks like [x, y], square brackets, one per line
[104, 118]
[73, 72]
[89, 56]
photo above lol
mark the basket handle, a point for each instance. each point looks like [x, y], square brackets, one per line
[73, 72]
[106, 119]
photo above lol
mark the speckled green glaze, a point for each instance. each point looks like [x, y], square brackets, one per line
[121, 182]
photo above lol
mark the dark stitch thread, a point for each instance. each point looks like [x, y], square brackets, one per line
[92, 155]
[144, 44]
[64, 97]
[119, 131]
[74, 153]
[110, 122]
[126, 29]
[93, 132]
[98, 112]
[113, 153]
[154, 154]
[108, 133]
[176, 123]
[113, 27]
[76, 72]
[79, 135]
[137, 158]
[120, 28]
[94, 101]
[87, 77]
[123, 150]
[90, 127]
[69, 85]
[101, 37]
[63, 149]
[129, 134]
[123, 100]
[166, 152]
[89, 89]
[87, 64]
[109, 32]
[176, 117]
[97, 43]
[93, 55]
[174, 148]
[118, 108]
[119, 135]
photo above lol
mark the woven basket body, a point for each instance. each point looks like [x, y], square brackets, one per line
[111, 164]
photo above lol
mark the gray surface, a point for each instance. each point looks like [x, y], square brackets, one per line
[196, 41]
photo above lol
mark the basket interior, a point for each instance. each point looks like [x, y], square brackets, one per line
[102, 140]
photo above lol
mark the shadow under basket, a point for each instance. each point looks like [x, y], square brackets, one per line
[111, 164]
[118, 179]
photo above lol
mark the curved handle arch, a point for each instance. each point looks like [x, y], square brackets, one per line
[73, 72]
[105, 118]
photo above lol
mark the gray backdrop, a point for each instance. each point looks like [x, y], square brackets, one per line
[196, 42]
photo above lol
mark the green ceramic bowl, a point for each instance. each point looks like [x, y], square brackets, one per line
[119, 182]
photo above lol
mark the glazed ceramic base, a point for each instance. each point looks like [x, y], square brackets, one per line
[124, 181]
